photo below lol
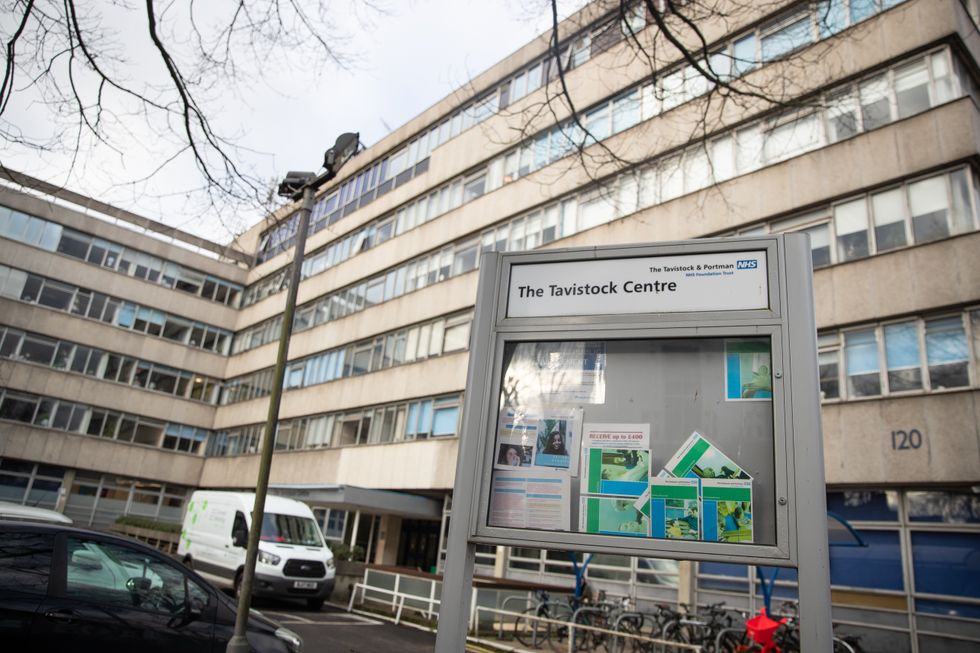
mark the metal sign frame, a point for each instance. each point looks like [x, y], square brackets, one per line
[800, 526]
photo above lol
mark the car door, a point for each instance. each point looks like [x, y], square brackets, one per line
[110, 596]
[25, 567]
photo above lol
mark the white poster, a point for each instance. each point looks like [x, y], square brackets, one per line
[729, 281]
[616, 436]
[615, 459]
[530, 499]
[549, 373]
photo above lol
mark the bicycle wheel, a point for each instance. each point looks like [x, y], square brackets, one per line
[529, 631]
[558, 637]
[631, 626]
[675, 632]
[788, 638]
[840, 646]
[587, 639]
[733, 641]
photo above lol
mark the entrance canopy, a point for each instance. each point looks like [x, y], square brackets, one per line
[352, 498]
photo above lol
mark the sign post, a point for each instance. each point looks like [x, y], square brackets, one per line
[656, 401]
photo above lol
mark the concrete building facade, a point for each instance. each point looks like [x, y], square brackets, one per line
[135, 368]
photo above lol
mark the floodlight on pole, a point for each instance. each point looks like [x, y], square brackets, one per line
[293, 183]
[296, 186]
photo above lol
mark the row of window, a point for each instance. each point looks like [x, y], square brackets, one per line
[545, 563]
[428, 207]
[406, 345]
[736, 57]
[332, 522]
[96, 500]
[933, 531]
[412, 159]
[746, 149]
[915, 212]
[28, 483]
[106, 365]
[897, 93]
[919, 546]
[891, 95]
[35, 289]
[73, 417]
[373, 183]
[911, 355]
[417, 274]
[53, 237]
[411, 420]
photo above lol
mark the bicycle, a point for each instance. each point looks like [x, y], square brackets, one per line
[702, 629]
[634, 623]
[604, 621]
[763, 634]
[536, 626]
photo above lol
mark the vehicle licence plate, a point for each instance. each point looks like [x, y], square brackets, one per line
[304, 585]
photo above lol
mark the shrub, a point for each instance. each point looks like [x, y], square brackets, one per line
[342, 551]
[149, 523]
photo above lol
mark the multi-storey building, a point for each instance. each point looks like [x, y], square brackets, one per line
[134, 368]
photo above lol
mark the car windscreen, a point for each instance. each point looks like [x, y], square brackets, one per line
[290, 529]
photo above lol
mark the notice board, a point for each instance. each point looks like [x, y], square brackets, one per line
[656, 400]
[636, 400]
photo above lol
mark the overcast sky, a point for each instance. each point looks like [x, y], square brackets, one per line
[411, 56]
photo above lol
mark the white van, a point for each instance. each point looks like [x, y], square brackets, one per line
[293, 560]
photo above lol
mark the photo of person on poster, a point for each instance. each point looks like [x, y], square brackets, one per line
[556, 443]
[553, 446]
[513, 455]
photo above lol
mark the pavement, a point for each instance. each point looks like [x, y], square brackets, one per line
[332, 630]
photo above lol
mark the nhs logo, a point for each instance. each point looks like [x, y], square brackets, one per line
[746, 264]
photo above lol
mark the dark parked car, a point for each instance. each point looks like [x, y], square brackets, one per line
[70, 589]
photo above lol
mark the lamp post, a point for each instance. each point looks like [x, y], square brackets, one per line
[296, 186]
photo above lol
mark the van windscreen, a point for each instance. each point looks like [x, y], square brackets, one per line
[290, 529]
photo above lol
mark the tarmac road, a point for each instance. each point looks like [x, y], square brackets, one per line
[335, 631]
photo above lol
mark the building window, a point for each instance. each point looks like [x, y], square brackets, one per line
[829, 375]
[917, 212]
[902, 357]
[851, 226]
[788, 34]
[445, 418]
[917, 355]
[947, 353]
[861, 351]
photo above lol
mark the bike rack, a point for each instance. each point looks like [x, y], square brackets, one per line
[677, 646]
[503, 606]
[725, 631]
[617, 640]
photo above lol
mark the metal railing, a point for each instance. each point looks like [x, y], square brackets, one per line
[616, 637]
[397, 601]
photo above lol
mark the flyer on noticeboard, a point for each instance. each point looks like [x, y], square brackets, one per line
[727, 510]
[673, 507]
[612, 516]
[618, 472]
[547, 440]
[615, 459]
[699, 458]
[554, 373]
[748, 370]
[530, 499]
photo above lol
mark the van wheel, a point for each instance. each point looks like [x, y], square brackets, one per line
[238, 585]
[314, 604]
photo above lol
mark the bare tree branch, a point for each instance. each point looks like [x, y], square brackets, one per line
[99, 80]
